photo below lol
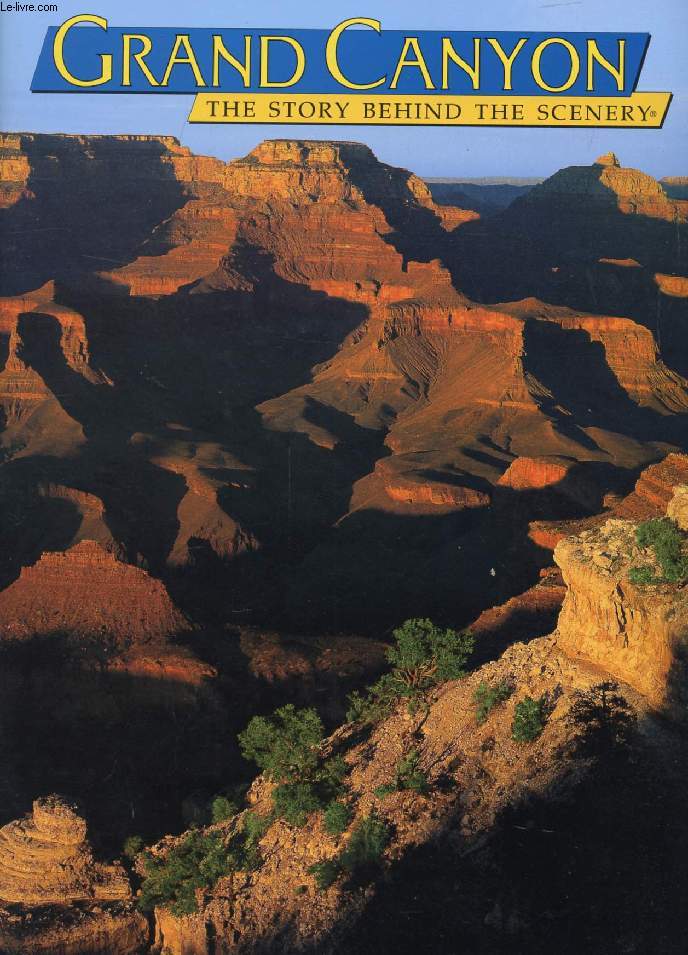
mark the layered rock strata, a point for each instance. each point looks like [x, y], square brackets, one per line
[55, 899]
[86, 591]
[45, 858]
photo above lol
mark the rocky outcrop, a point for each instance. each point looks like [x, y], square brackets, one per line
[654, 489]
[86, 591]
[113, 928]
[651, 497]
[436, 494]
[609, 159]
[557, 475]
[46, 858]
[474, 774]
[677, 509]
[636, 632]
[609, 630]
[606, 182]
[46, 861]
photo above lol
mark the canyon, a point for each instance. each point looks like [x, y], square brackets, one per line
[256, 414]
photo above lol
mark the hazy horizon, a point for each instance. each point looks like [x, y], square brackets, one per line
[515, 177]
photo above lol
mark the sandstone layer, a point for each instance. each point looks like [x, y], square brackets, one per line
[635, 631]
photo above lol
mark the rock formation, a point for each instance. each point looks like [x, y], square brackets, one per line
[654, 489]
[636, 632]
[46, 860]
[608, 628]
[677, 509]
[86, 591]
[604, 238]
[609, 159]
[557, 474]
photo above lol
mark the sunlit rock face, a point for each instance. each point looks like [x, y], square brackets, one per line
[636, 632]
[46, 861]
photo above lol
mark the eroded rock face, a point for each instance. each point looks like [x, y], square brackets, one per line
[609, 159]
[654, 489]
[87, 591]
[306, 301]
[46, 866]
[46, 858]
[630, 190]
[558, 475]
[604, 238]
[678, 507]
[636, 632]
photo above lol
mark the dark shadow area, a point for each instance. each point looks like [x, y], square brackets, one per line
[87, 205]
[418, 233]
[575, 369]
[206, 361]
[30, 524]
[457, 478]
[550, 243]
[130, 748]
[143, 754]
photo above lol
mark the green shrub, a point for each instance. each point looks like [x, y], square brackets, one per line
[643, 575]
[664, 537]
[132, 846]
[407, 775]
[222, 808]
[285, 745]
[294, 802]
[244, 846]
[197, 862]
[386, 789]
[423, 656]
[529, 720]
[366, 845]
[376, 702]
[337, 818]
[331, 774]
[362, 853]
[325, 873]
[487, 697]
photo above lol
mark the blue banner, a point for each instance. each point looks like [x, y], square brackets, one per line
[87, 54]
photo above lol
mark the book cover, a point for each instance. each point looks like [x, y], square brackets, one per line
[343, 478]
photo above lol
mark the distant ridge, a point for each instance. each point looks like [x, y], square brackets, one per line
[488, 180]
